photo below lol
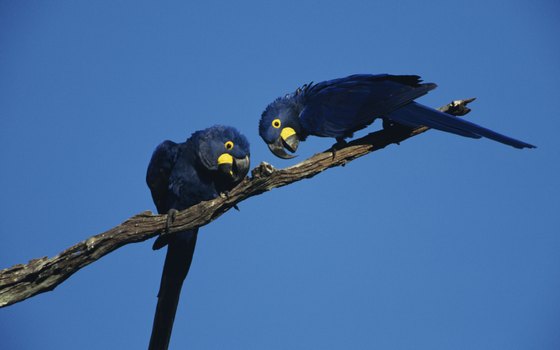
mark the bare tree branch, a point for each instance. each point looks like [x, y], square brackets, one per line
[40, 275]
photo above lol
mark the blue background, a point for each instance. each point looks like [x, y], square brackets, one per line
[442, 242]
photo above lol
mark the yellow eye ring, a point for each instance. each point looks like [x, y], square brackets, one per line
[228, 145]
[276, 123]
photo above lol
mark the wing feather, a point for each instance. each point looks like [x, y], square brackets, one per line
[339, 107]
[159, 172]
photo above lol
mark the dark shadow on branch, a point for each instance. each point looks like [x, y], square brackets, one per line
[23, 281]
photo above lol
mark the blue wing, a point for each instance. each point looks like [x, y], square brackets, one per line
[159, 172]
[339, 107]
[415, 114]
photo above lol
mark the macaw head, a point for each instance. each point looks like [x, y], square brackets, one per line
[280, 128]
[224, 150]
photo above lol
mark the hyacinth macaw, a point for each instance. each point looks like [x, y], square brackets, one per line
[180, 175]
[337, 108]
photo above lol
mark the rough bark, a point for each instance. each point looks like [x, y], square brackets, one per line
[23, 281]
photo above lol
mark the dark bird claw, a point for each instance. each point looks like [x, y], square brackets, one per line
[171, 215]
[225, 195]
[340, 143]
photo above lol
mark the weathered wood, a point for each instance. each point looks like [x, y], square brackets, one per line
[23, 281]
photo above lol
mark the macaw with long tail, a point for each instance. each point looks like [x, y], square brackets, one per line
[337, 108]
[180, 175]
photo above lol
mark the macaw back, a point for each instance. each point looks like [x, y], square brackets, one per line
[338, 108]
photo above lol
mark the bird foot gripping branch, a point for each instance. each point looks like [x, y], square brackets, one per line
[171, 215]
[225, 195]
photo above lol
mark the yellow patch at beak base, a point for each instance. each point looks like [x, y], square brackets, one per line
[225, 159]
[287, 132]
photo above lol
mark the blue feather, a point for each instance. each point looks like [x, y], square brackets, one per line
[415, 114]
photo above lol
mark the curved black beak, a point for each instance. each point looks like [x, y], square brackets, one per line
[291, 142]
[278, 148]
[241, 168]
[234, 168]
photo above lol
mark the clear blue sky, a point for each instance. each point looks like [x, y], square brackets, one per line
[442, 242]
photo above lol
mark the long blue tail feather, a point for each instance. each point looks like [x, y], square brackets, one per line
[177, 263]
[415, 114]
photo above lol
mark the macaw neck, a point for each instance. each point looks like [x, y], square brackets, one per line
[293, 104]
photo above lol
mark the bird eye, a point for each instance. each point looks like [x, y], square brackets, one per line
[276, 123]
[228, 145]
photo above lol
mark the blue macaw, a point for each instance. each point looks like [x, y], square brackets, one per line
[180, 175]
[337, 108]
